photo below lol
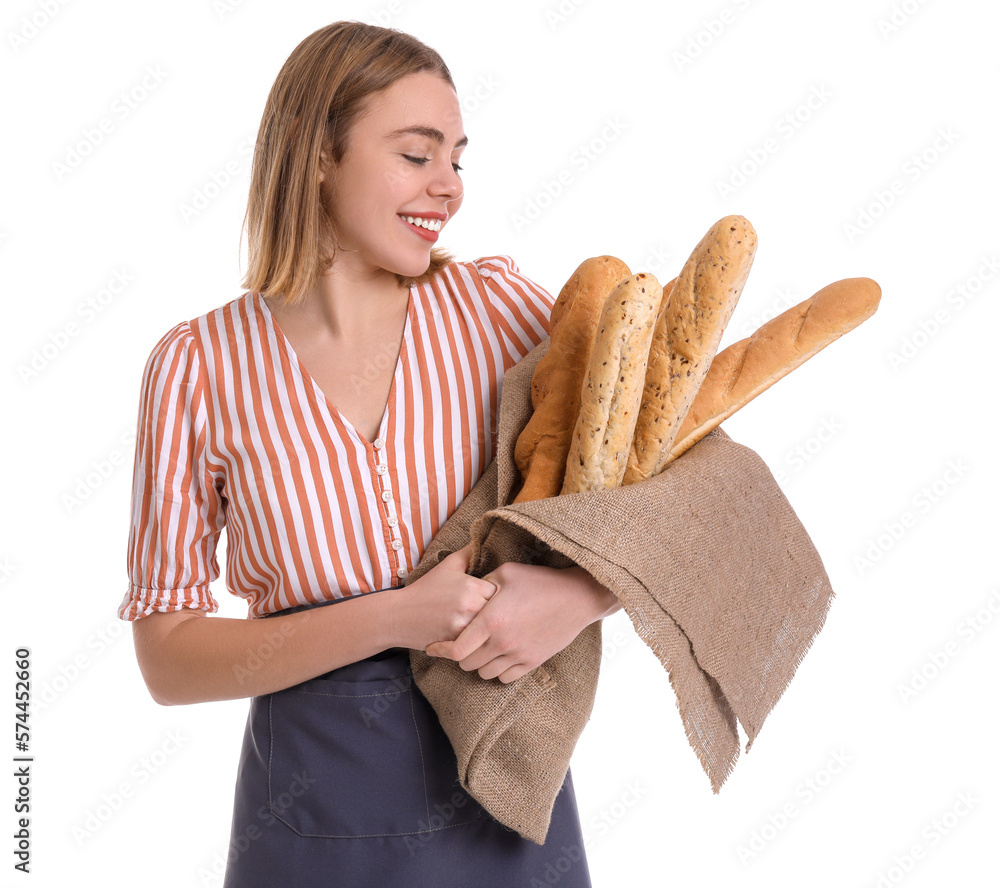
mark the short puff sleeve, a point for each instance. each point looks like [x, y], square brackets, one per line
[520, 308]
[178, 508]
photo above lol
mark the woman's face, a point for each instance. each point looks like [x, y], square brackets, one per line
[401, 161]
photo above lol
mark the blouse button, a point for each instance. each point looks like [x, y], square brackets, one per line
[397, 544]
[378, 443]
[381, 469]
[386, 495]
[392, 522]
[401, 573]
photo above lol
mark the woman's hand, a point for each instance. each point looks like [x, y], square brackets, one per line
[439, 605]
[536, 613]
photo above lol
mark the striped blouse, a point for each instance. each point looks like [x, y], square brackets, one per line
[233, 432]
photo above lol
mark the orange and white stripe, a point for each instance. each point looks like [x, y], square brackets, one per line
[233, 433]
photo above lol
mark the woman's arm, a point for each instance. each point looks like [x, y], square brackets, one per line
[189, 657]
[537, 612]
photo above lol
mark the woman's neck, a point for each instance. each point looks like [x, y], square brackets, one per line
[345, 307]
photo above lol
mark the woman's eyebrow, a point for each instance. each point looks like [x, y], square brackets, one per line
[430, 132]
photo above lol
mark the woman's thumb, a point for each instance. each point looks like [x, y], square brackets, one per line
[463, 556]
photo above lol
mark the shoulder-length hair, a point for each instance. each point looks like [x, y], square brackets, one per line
[319, 93]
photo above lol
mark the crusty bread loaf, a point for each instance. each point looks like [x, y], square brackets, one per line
[746, 368]
[588, 286]
[688, 329]
[541, 448]
[609, 401]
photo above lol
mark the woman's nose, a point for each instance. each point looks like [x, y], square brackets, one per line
[448, 182]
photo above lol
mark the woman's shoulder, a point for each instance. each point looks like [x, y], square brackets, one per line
[516, 303]
[178, 339]
[496, 268]
[182, 339]
[491, 273]
[502, 276]
[484, 266]
[239, 310]
[501, 263]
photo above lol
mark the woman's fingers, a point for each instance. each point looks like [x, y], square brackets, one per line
[492, 589]
[463, 556]
[513, 673]
[469, 641]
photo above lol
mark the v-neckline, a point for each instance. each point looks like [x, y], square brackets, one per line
[289, 350]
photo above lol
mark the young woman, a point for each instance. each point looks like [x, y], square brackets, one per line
[332, 418]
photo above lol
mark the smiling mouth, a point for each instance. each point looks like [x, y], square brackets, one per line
[420, 227]
[421, 222]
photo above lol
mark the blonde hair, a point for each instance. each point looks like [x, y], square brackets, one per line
[319, 93]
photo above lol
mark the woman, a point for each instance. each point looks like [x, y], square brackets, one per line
[332, 418]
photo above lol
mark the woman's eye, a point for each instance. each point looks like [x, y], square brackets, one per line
[422, 160]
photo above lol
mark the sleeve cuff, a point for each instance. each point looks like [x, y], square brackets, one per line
[140, 602]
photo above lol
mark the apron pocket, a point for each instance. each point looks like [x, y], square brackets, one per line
[356, 759]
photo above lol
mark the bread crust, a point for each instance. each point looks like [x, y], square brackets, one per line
[689, 327]
[746, 368]
[609, 401]
[543, 445]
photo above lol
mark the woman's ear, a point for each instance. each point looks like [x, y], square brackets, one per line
[324, 162]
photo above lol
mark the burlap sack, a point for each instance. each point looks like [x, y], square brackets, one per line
[709, 561]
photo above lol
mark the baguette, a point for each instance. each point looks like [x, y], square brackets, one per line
[542, 446]
[746, 368]
[688, 329]
[609, 401]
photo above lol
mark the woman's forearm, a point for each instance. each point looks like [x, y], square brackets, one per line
[604, 601]
[613, 606]
[190, 657]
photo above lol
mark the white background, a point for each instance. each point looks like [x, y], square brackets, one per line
[884, 443]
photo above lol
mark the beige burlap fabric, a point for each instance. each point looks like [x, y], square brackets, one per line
[710, 563]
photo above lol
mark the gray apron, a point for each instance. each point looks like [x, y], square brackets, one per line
[349, 780]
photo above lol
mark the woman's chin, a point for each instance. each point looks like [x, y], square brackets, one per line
[411, 268]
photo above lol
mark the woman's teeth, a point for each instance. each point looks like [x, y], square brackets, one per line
[429, 224]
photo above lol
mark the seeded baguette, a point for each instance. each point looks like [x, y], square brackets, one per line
[688, 330]
[746, 368]
[609, 401]
[543, 445]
